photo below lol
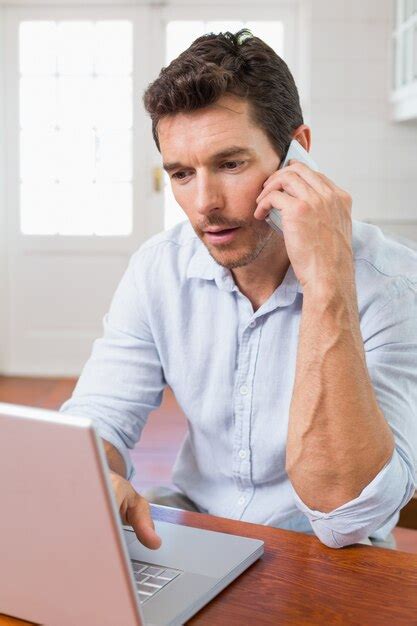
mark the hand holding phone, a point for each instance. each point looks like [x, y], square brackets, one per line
[295, 151]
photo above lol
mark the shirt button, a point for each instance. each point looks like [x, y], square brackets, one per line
[252, 324]
[243, 390]
[241, 500]
[242, 454]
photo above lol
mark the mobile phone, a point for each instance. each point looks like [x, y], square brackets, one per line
[295, 151]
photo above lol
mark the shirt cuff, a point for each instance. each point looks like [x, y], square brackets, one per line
[377, 503]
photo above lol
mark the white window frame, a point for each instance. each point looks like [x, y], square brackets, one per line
[142, 223]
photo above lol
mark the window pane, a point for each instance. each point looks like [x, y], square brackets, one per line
[38, 208]
[76, 127]
[113, 48]
[76, 208]
[95, 209]
[409, 8]
[180, 35]
[37, 51]
[113, 102]
[394, 63]
[38, 155]
[271, 33]
[415, 52]
[113, 209]
[75, 48]
[407, 52]
[114, 155]
[38, 102]
[76, 101]
[76, 155]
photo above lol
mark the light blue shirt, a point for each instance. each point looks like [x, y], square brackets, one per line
[177, 318]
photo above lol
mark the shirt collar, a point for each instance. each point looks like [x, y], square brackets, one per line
[202, 265]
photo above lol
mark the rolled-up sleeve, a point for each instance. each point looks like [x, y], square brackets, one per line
[123, 380]
[390, 342]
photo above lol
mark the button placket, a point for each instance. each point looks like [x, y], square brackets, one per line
[242, 399]
[244, 454]
[247, 353]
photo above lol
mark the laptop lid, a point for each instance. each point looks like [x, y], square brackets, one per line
[63, 558]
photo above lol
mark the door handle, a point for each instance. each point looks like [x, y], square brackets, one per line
[158, 179]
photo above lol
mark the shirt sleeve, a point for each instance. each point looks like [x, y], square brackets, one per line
[123, 379]
[391, 356]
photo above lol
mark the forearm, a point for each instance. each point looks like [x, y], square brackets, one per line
[338, 439]
[114, 459]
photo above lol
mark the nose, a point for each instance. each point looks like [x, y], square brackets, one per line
[208, 195]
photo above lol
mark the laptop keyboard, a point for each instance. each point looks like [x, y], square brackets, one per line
[150, 578]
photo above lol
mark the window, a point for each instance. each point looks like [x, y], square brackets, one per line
[75, 127]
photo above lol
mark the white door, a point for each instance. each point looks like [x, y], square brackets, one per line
[83, 175]
[79, 198]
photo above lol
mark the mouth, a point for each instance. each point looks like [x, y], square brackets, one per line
[221, 236]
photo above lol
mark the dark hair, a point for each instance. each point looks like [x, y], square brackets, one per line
[227, 63]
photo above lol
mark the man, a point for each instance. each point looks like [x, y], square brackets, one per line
[294, 357]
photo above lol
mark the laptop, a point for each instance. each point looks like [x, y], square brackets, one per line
[65, 557]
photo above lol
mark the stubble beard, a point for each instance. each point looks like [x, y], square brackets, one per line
[245, 258]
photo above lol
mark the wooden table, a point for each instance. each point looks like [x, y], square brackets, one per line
[301, 581]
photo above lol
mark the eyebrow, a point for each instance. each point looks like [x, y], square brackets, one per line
[227, 152]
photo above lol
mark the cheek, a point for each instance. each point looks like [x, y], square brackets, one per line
[182, 198]
[176, 193]
[250, 183]
[244, 190]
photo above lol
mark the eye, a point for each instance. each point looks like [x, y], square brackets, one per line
[234, 164]
[228, 165]
[178, 175]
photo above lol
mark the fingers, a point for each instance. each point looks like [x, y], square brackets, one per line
[135, 511]
[290, 182]
[138, 515]
[315, 181]
[275, 199]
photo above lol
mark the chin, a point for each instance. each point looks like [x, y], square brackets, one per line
[231, 260]
[235, 255]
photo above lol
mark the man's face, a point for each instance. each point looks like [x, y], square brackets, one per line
[219, 191]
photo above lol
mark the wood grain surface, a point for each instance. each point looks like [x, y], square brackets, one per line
[300, 581]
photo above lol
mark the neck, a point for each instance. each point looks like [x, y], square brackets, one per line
[259, 279]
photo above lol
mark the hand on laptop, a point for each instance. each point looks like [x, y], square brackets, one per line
[135, 511]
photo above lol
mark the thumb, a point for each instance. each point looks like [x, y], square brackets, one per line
[138, 515]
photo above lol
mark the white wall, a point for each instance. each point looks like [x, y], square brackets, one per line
[353, 139]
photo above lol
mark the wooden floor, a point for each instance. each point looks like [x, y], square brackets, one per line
[154, 455]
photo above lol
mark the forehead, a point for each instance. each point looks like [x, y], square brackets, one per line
[227, 121]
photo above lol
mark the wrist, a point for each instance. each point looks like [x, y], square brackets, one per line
[115, 460]
[331, 288]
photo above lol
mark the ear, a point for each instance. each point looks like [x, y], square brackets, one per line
[303, 135]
